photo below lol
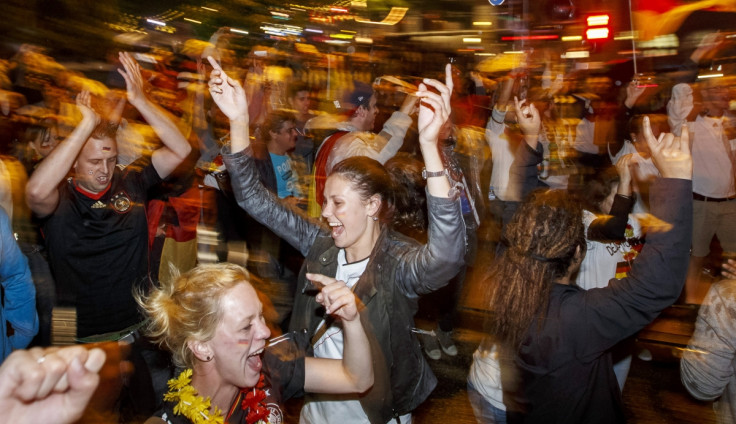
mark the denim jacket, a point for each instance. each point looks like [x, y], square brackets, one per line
[19, 294]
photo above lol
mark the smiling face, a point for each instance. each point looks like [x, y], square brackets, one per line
[240, 337]
[96, 163]
[350, 217]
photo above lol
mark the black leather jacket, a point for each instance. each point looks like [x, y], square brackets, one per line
[398, 272]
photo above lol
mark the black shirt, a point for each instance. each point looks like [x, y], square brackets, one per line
[98, 249]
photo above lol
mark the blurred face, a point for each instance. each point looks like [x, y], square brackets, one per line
[284, 140]
[300, 103]
[367, 115]
[348, 215]
[240, 337]
[716, 98]
[96, 163]
[46, 141]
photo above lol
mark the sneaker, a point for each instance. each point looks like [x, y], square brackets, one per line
[445, 339]
[431, 347]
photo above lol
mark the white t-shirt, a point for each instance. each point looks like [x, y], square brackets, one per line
[604, 261]
[485, 376]
[712, 167]
[585, 137]
[344, 409]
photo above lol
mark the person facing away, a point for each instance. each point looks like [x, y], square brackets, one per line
[555, 337]
[94, 221]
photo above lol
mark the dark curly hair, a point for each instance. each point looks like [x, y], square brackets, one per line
[410, 198]
[542, 240]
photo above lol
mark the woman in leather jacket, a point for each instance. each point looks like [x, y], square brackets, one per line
[355, 244]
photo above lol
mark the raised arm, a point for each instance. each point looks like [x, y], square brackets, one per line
[434, 111]
[391, 138]
[42, 190]
[230, 98]
[354, 373]
[658, 274]
[430, 267]
[612, 225]
[498, 114]
[287, 222]
[175, 147]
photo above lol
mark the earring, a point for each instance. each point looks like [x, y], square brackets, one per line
[375, 218]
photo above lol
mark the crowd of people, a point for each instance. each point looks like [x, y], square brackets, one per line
[191, 204]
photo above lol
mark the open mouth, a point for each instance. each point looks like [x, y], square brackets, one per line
[256, 353]
[337, 229]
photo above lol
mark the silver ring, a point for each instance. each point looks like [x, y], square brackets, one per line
[41, 359]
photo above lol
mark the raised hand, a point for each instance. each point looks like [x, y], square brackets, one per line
[133, 78]
[227, 93]
[49, 385]
[623, 168]
[728, 269]
[335, 296]
[434, 109]
[670, 154]
[84, 104]
[633, 92]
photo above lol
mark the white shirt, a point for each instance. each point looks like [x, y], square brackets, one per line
[585, 137]
[485, 376]
[602, 259]
[712, 167]
[322, 408]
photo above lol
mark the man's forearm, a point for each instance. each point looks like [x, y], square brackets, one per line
[165, 128]
[55, 167]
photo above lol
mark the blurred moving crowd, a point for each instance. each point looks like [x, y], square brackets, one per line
[116, 185]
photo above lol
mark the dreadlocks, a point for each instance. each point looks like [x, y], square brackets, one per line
[541, 240]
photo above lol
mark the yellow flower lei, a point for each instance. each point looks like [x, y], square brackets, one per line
[188, 404]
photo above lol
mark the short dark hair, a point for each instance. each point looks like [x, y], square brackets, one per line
[296, 87]
[656, 120]
[596, 188]
[274, 122]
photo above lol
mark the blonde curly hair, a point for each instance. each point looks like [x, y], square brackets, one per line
[187, 307]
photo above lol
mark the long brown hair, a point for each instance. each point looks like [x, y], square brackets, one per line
[542, 239]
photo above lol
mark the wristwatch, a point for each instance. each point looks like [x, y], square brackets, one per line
[426, 174]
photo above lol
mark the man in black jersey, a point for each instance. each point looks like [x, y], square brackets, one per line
[94, 221]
